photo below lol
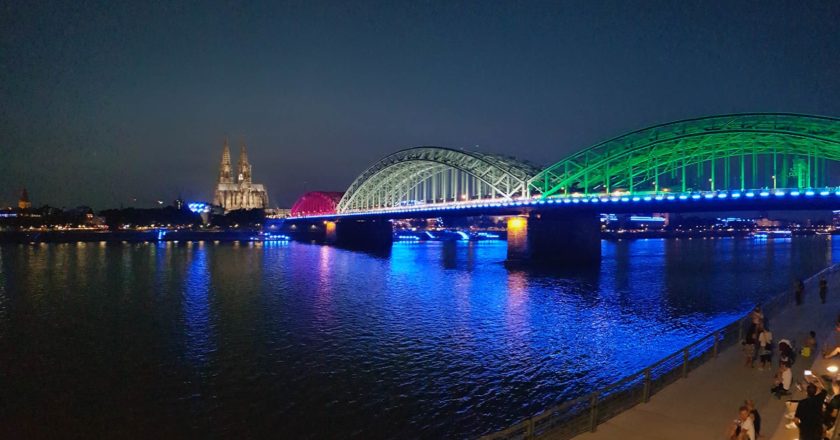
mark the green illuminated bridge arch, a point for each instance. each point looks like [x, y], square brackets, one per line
[755, 150]
[705, 154]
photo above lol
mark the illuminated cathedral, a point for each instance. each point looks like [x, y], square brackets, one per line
[237, 191]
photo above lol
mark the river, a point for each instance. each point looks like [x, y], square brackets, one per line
[435, 340]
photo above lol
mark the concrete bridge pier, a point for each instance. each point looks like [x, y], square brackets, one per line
[305, 231]
[350, 233]
[360, 234]
[565, 239]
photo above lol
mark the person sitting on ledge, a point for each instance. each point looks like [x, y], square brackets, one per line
[782, 381]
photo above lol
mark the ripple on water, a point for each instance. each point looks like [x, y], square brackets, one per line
[434, 341]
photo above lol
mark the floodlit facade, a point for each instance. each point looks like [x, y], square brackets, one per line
[238, 191]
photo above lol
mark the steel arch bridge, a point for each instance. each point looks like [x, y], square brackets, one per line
[715, 153]
[432, 175]
[706, 154]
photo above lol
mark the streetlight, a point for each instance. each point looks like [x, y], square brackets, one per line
[774, 181]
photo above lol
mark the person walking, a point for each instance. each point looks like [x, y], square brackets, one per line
[823, 289]
[809, 414]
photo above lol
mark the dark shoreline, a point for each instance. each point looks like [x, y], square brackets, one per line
[121, 236]
[230, 236]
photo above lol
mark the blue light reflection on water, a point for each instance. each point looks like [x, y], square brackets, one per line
[198, 330]
[434, 340]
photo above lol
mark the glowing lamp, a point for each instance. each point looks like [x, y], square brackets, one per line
[831, 368]
[516, 223]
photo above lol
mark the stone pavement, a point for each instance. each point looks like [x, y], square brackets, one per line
[703, 405]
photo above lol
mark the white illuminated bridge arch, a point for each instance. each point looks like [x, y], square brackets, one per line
[434, 175]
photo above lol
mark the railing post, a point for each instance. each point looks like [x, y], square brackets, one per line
[593, 412]
[685, 363]
[717, 341]
[646, 391]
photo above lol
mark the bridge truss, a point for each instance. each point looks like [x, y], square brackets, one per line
[433, 175]
[719, 152]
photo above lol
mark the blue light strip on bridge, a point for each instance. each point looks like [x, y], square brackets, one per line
[641, 199]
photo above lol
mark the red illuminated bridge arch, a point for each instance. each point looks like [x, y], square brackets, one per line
[316, 203]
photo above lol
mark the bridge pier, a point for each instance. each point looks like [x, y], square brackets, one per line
[567, 239]
[362, 234]
[350, 233]
[305, 231]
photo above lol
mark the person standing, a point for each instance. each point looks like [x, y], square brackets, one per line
[823, 289]
[800, 292]
[832, 408]
[742, 428]
[748, 347]
[757, 316]
[810, 345]
[756, 417]
[809, 415]
[765, 348]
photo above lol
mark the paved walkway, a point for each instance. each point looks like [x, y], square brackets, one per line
[703, 405]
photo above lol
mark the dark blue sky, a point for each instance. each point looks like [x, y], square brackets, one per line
[103, 102]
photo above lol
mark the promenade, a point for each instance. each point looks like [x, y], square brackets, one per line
[702, 406]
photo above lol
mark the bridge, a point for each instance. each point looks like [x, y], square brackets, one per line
[756, 161]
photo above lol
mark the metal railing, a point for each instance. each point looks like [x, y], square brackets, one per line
[585, 413]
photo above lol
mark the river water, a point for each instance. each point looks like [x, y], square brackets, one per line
[435, 340]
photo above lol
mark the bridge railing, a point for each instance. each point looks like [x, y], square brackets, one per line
[585, 413]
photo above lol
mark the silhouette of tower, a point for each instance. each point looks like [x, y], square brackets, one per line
[225, 168]
[244, 167]
[24, 202]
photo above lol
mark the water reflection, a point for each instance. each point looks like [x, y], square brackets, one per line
[196, 308]
[436, 340]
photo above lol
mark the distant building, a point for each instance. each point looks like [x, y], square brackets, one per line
[24, 202]
[276, 213]
[765, 222]
[238, 192]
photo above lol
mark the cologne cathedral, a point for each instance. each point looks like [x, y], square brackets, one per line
[236, 191]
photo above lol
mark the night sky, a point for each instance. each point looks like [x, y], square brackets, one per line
[105, 102]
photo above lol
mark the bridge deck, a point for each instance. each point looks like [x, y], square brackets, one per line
[703, 405]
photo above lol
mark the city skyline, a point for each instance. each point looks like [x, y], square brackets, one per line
[104, 107]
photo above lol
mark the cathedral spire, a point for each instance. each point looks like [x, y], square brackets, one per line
[225, 168]
[24, 202]
[244, 166]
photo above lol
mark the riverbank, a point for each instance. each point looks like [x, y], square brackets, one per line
[703, 405]
[122, 236]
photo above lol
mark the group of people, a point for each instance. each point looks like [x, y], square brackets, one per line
[758, 343]
[815, 415]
